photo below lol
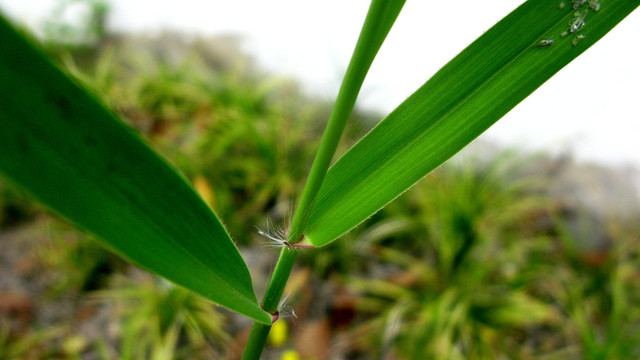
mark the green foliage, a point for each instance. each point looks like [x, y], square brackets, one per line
[76, 262]
[469, 94]
[597, 290]
[90, 29]
[159, 320]
[465, 291]
[19, 347]
[95, 171]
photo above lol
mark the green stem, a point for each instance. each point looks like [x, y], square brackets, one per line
[255, 343]
[259, 332]
[279, 279]
[380, 17]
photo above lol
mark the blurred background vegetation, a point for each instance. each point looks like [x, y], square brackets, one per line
[498, 254]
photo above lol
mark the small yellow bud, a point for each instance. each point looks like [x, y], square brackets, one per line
[290, 355]
[279, 333]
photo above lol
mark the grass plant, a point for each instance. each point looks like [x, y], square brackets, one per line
[63, 146]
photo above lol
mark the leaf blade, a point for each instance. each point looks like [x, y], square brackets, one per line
[63, 147]
[456, 105]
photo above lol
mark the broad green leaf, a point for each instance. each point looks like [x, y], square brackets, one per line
[63, 147]
[457, 104]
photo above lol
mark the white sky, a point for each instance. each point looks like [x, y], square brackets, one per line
[591, 106]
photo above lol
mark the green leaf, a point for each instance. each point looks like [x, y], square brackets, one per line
[62, 146]
[457, 104]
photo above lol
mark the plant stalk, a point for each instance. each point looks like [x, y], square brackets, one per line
[380, 17]
[259, 332]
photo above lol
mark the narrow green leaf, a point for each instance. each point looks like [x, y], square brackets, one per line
[62, 146]
[457, 104]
